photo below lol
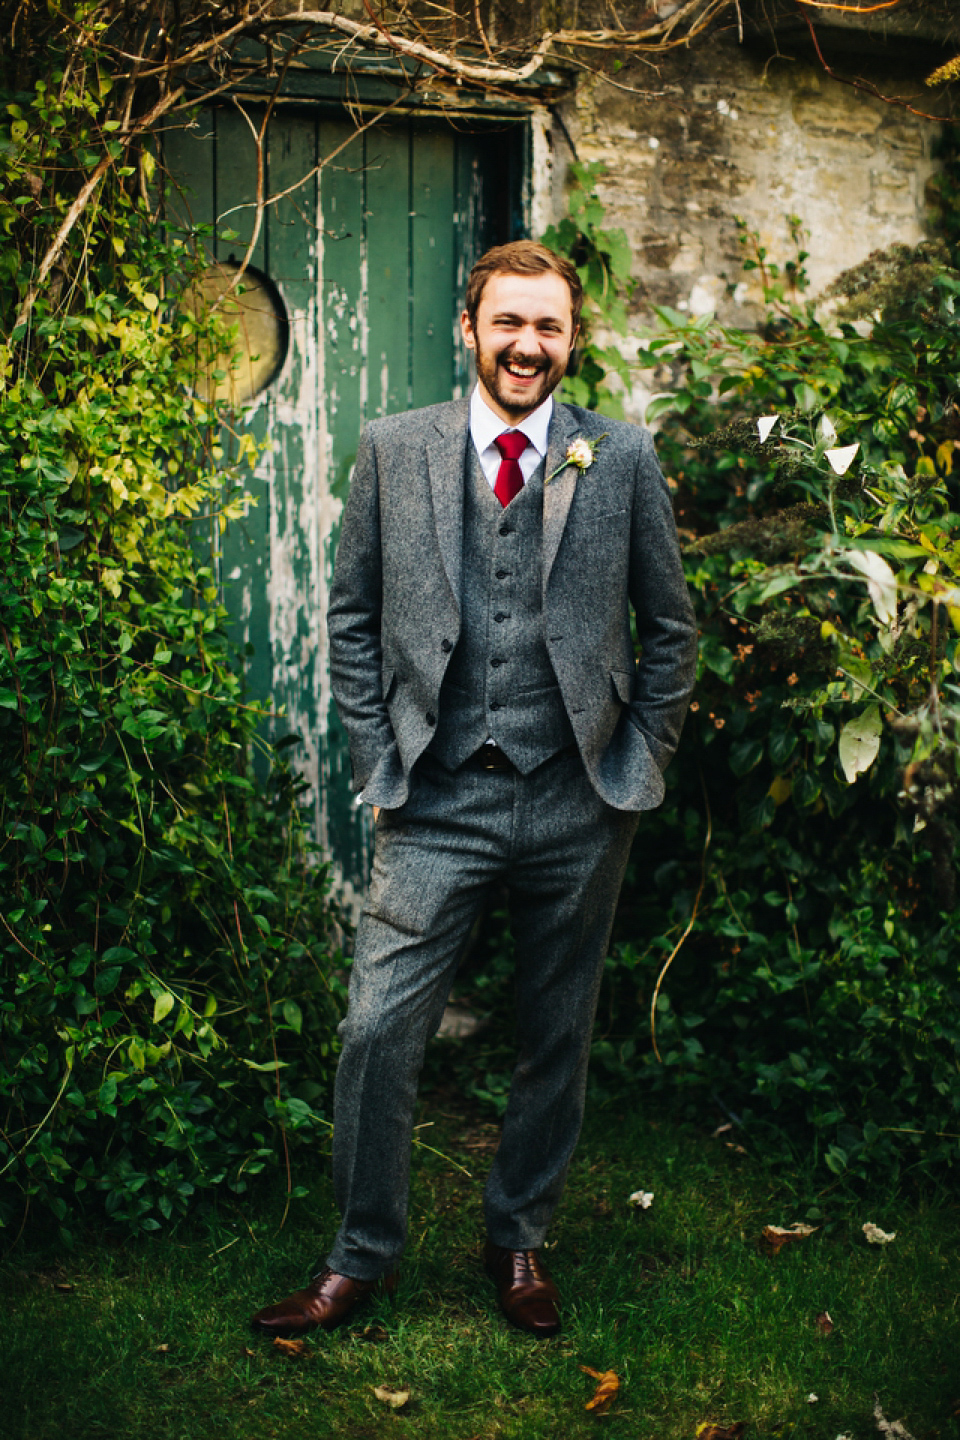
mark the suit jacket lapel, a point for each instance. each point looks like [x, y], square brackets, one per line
[446, 453]
[559, 492]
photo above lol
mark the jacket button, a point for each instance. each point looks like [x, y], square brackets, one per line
[430, 718]
[496, 661]
[495, 705]
[506, 529]
[502, 574]
[499, 617]
[446, 646]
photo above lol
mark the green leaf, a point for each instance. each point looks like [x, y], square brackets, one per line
[782, 745]
[860, 742]
[745, 755]
[784, 581]
[293, 1015]
[162, 1006]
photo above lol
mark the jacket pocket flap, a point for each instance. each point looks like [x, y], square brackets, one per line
[623, 685]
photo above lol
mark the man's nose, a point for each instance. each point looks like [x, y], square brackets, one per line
[529, 340]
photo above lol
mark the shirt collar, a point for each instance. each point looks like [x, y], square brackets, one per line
[485, 426]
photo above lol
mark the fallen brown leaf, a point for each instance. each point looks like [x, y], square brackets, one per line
[163, 1349]
[776, 1236]
[603, 1396]
[391, 1396]
[245, 1350]
[707, 1431]
[63, 1289]
[293, 1349]
[823, 1322]
[375, 1334]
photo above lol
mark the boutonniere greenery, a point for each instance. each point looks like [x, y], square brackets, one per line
[581, 452]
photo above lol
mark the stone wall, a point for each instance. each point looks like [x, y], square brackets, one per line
[724, 130]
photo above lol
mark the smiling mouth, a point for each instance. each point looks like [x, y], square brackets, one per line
[520, 371]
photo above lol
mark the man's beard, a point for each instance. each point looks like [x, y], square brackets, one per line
[490, 371]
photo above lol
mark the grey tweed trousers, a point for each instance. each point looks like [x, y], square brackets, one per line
[562, 852]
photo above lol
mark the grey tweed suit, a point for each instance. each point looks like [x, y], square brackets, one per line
[559, 836]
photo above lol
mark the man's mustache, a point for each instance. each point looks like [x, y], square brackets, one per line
[512, 357]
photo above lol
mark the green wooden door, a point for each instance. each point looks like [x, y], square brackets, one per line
[369, 256]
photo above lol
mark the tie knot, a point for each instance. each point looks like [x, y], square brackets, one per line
[511, 444]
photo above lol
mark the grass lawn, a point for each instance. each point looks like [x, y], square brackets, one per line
[147, 1340]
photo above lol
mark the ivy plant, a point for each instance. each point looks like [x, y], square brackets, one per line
[169, 988]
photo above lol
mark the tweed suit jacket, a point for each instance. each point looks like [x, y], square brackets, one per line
[609, 545]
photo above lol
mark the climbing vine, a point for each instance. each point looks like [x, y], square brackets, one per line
[165, 936]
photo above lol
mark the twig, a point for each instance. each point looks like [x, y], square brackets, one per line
[851, 9]
[690, 923]
[865, 85]
[55, 249]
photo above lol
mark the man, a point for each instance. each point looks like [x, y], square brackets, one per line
[482, 662]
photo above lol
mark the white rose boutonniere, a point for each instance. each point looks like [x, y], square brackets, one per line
[581, 452]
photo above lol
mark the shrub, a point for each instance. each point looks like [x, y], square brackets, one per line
[167, 941]
[808, 839]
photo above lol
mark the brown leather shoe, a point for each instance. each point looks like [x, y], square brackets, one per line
[528, 1297]
[328, 1301]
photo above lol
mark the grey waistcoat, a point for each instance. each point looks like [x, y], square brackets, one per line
[500, 683]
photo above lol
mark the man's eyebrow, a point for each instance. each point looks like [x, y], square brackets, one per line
[516, 319]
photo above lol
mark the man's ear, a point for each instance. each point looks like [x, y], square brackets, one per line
[466, 330]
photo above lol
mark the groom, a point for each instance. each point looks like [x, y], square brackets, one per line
[481, 657]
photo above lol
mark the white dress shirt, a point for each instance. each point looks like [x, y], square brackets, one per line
[485, 426]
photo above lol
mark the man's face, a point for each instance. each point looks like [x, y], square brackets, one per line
[522, 339]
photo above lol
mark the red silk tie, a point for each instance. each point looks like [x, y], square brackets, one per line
[511, 445]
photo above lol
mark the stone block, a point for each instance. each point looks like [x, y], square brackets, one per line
[832, 114]
[659, 251]
[689, 256]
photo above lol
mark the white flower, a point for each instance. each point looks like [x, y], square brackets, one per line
[580, 453]
[641, 1199]
[876, 1236]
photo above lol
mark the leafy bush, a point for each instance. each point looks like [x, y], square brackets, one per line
[806, 851]
[167, 941]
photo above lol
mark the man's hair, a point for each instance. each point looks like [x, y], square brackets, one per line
[521, 257]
